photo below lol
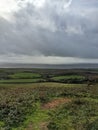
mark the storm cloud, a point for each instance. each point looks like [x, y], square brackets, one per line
[49, 28]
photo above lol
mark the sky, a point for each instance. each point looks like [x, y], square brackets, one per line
[49, 31]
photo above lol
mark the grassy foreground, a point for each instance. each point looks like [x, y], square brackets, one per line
[48, 106]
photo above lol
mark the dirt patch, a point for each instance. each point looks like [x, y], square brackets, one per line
[41, 126]
[30, 127]
[55, 103]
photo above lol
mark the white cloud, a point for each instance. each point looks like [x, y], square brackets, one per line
[67, 3]
[7, 7]
[38, 3]
[71, 30]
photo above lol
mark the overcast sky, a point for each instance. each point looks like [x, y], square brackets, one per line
[49, 31]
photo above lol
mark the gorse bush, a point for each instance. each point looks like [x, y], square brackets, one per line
[15, 106]
[18, 102]
[77, 115]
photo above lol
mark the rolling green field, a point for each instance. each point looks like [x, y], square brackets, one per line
[21, 80]
[24, 75]
[67, 77]
[37, 103]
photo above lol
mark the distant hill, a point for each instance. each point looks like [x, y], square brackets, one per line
[52, 66]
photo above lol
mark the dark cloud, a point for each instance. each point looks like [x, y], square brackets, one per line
[52, 30]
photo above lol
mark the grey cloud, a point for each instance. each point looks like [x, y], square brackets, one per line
[52, 30]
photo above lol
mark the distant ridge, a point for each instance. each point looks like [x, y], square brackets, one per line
[48, 66]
